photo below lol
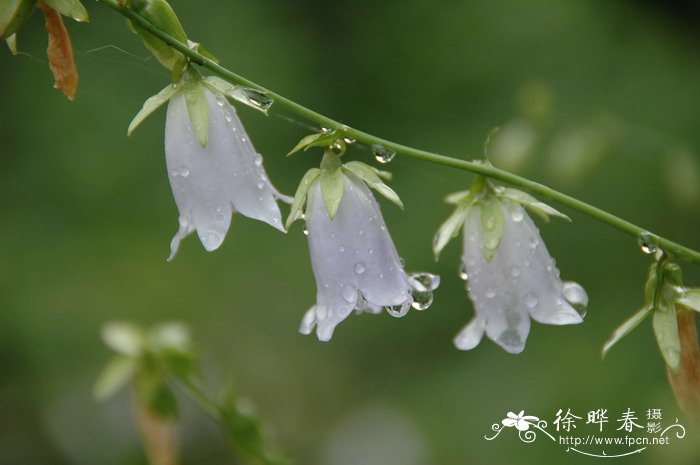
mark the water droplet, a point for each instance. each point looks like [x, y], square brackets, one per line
[359, 267]
[361, 303]
[220, 99]
[360, 232]
[576, 296]
[517, 214]
[421, 300]
[306, 231]
[258, 99]
[348, 140]
[261, 184]
[175, 173]
[382, 154]
[490, 293]
[526, 263]
[341, 249]
[648, 242]
[349, 294]
[533, 242]
[492, 243]
[514, 271]
[229, 118]
[463, 272]
[398, 311]
[490, 223]
[258, 159]
[531, 300]
[423, 282]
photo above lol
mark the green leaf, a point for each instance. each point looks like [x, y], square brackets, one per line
[12, 43]
[250, 97]
[297, 208]
[456, 198]
[625, 328]
[152, 104]
[531, 203]
[492, 222]
[321, 139]
[165, 54]
[160, 14]
[489, 138]
[124, 338]
[666, 331]
[331, 180]
[369, 176]
[202, 51]
[198, 110]
[690, 299]
[13, 13]
[114, 376]
[450, 228]
[71, 8]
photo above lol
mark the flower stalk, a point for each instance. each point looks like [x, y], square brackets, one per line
[641, 234]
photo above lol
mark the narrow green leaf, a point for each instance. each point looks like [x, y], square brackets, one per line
[114, 376]
[690, 299]
[250, 97]
[165, 54]
[369, 176]
[297, 208]
[489, 138]
[331, 180]
[456, 198]
[450, 229]
[71, 8]
[321, 139]
[666, 331]
[12, 43]
[625, 328]
[13, 13]
[531, 203]
[198, 110]
[161, 15]
[202, 51]
[492, 223]
[152, 104]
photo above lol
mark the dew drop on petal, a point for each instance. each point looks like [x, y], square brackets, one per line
[530, 300]
[398, 311]
[423, 282]
[490, 293]
[382, 154]
[349, 294]
[576, 296]
[526, 263]
[341, 249]
[359, 268]
[258, 159]
[421, 300]
[463, 275]
[514, 271]
[517, 214]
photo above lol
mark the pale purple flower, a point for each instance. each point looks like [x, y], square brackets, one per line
[355, 262]
[213, 182]
[520, 282]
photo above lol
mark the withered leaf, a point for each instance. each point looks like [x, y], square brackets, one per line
[60, 52]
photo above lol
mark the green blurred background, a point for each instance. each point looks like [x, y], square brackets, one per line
[597, 98]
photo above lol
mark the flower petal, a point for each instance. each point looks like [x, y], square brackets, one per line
[351, 253]
[210, 183]
[470, 336]
[520, 282]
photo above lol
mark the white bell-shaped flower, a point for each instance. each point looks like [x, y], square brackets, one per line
[520, 282]
[355, 263]
[211, 183]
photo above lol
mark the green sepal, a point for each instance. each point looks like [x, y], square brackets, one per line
[12, 43]
[625, 328]
[331, 179]
[197, 109]
[152, 104]
[489, 138]
[171, 344]
[115, 375]
[372, 179]
[160, 14]
[70, 8]
[666, 332]
[690, 299]
[297, 208]
[14, 13]
[250, 97]
[492, 224]
[152, 392]
[321, 139]
[531, 203]
[456, 198]
[450, 228]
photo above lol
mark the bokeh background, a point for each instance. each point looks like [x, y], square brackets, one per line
[599, 99]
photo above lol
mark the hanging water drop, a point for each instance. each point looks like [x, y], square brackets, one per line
[423, 282]
[258, 99]
[648, 242]
[531, 300]
[398, 311]
[576, 296]
[421, 300]
[306, 231]
[463, 275]
[382, 154]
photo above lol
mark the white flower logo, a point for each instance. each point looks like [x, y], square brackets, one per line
[520, 421]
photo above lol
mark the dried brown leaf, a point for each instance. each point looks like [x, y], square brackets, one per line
[60, 52]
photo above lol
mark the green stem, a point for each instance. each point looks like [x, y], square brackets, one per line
[668, 246]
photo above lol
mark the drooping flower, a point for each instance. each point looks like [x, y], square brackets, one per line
[213, 168]
[510, 275]
[353, 257]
